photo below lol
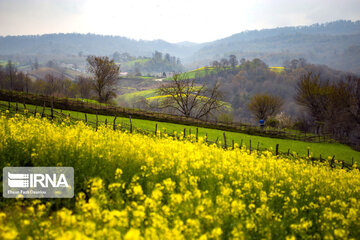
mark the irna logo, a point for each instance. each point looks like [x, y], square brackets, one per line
[38, 182]
[19, 180]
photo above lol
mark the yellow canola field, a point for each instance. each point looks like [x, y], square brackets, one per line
[131, 186]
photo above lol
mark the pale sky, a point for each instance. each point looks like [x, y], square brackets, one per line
[170, 20]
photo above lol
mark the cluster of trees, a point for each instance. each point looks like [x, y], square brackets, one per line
[101, 86]
[12, 79]
[333, 107]
[225, 63]
[159, 62]
[253, 77]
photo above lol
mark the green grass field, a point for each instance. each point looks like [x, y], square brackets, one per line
[89, 101]
[131, 64]
[201, 72]
[145, 94]
[341, 151]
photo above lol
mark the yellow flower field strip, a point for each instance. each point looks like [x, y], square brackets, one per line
[145, 187]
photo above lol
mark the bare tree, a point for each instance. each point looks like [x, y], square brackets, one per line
[215, 64]
[224, 63]
[84, 86]
[11, 71]
[353, 92]
[52, 84]
[233, 61]
[264, 105]
[313, 95]
[106, 76]
[190, 99]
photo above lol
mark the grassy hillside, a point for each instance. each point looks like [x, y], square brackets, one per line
[341, 151]
[131, 64]
[203, 71]
[134, 95]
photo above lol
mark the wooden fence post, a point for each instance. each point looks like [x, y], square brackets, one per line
[43, 112]
[17, 108]
[35, 111]
[225, 145]
[85, 118]
[114, 124]
[206, 137]
[156, 129]
[24, 105]
[131, 128]
[197, 134]
[233, 144]
[250, 146]
[277, 149]
[184, 133]
[332, 162]
[52, 109]
[288, 152]
[241, 143]
[96, 121]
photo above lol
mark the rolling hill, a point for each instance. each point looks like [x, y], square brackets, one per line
[336, 44]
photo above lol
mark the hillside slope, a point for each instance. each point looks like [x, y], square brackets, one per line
[336, 44]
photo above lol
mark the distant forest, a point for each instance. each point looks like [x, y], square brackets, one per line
[336, 44]
[251, 77]
[158, 63]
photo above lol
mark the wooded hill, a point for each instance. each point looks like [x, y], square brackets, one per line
[335, 44]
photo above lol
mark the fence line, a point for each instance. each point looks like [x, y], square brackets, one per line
[129, 126]
[81, 106]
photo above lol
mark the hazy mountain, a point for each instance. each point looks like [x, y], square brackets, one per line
[84, 44]
[336, 44]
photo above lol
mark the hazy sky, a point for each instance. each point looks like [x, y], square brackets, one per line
[170, 20]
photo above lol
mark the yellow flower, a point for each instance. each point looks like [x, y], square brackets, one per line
[132, 234]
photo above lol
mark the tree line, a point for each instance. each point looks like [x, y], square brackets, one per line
[332, 107]
[101, 85]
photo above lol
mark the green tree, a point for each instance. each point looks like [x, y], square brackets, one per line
[263, 106]
[106, 77]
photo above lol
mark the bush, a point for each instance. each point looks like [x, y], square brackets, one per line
[272, 122]
[283, 120]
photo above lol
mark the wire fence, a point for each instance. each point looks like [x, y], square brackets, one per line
[103, 109]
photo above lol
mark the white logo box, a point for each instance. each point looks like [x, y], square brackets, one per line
[38, 182]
